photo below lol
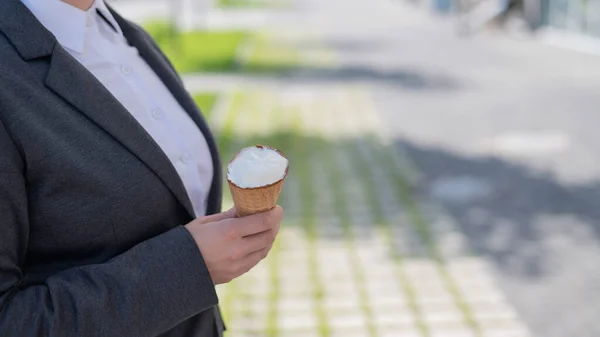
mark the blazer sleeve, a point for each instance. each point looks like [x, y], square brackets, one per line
[142, 292]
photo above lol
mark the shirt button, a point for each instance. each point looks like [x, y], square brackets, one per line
[185, 158]
[157, 114]
[126, 70]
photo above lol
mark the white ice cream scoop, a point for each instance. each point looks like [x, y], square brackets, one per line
[257, 166]
[255, 176]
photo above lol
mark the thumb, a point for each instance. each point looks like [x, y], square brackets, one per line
[217, 217]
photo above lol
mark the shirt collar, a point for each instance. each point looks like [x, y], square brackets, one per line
[68, 23]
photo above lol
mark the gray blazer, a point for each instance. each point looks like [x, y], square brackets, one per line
[91, 209]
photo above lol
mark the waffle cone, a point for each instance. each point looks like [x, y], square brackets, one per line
[254, 200]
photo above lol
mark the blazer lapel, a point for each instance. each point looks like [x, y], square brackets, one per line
[143, 43]
[70, 80]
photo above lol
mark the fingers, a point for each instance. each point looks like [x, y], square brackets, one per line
[254, 258]
[229, 214]
[256, 242]
[258, 223]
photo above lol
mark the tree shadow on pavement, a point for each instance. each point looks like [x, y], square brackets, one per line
[506, 212]
[395, 78]
[542, 236]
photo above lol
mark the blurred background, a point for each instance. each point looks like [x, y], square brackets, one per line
[445, 159]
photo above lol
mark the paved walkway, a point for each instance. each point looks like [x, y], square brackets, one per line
[355, 256]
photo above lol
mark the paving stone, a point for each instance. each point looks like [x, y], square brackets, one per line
[450, 326]
[387, 282]
[473, 279]
[479, 294]
[301, 320]
[335, 249]
[393, 331]
[335, 275]
[254, 305]
[437, 304]
[390, 318]
[295, 304]
[299, 288]
[436, 317]
[431, 294]
[289, 257]
[294, 274]
[340, 303]
[420, 268]
[299, 333]
[253, 291]
[375, 294]
[349, 332]
[253, 315]
[387, 301]
[392, 308]
[246, 324]
[466, 332]
[289, 274]
[339, 289]
[347, 320]
[244, 334]
[374, 273]
[429, 302]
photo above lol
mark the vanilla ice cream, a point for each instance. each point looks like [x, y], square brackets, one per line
[257, 166]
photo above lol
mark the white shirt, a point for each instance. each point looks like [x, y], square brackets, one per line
[119, 67]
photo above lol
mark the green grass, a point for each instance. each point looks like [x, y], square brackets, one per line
[217, 51]
[206, 101]
[266, 56]
[198, 51]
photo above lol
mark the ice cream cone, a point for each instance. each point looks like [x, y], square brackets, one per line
[252, 200]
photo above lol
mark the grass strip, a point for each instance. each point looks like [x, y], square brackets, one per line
[415, 216]
[331, 161]
[197, 51]
[363, 169]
